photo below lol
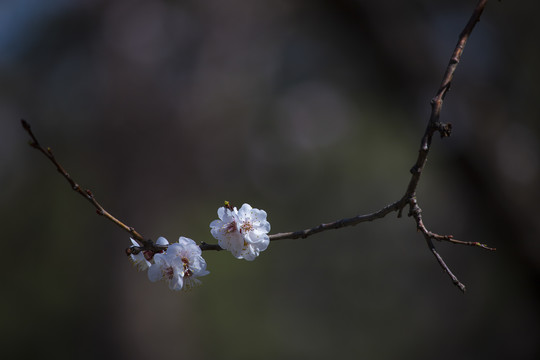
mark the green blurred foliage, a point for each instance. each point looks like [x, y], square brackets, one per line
[311, 110]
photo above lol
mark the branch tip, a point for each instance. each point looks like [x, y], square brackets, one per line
[484, 246]
[25, 125]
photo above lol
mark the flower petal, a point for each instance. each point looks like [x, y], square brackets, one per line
[155, 273]
[162, 241]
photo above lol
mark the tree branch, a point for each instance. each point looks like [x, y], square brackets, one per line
[408, 199]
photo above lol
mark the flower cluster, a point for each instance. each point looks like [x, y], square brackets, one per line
[180, 265]
[243, 232]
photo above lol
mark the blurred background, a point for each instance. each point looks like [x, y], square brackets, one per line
[311, 110]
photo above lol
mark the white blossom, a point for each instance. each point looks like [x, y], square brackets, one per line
[243, 232]
[180, 265]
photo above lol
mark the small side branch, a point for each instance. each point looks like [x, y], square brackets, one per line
[429, 236]
[445, 267]
[416, 213]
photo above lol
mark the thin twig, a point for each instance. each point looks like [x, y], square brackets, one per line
[206, 246]
[444, 266]
[436, 103]
[146, 244]
[338, 224]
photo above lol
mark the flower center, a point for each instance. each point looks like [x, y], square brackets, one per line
[246, 227]
[231, 227]
[168, 272]
[187, 271]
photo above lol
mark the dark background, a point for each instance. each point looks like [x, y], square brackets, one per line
[311, 110]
